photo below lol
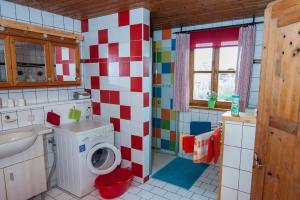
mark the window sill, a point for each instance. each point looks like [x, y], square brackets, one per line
[206, 108]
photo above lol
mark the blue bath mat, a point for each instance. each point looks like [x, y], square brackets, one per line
[181, 172]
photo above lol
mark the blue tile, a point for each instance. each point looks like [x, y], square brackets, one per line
[171, 103]
[166, 68]
[156, 122]
[165, 144]
[173, 44]
[157, 92]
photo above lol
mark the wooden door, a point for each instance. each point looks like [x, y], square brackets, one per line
[276, 173]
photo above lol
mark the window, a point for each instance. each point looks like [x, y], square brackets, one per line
[213, 69]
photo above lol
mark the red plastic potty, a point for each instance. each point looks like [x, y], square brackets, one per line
[114, 184]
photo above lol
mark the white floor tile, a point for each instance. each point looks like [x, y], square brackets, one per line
[64, 196]
[89, 197]
[158, 191]
[172, 196]
[145, 194]
[54, 192]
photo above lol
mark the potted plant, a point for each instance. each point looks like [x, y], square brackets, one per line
[212, 99]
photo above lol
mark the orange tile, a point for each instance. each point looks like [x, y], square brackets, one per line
[165, 114]
[172, 136]
[156, 79]
[166, 34]
[172, 67]
[156, 132]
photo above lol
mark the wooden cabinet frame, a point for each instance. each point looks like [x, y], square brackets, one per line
[52, 65]
[7, 57]
[16, 31]
[13, 40]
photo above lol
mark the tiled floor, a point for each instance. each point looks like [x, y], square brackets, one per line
[205, 188]
[160, 159]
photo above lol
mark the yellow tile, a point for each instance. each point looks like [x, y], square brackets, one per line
[157, 45]
[166, 56]
[173, 115]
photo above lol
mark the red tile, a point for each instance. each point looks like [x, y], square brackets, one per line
[95, 82]
[123, 18]
[146, 99]
[146, 32]
[136, 84]
[113, 50]
[125, 112]
[96, 108]
[116, 123]
[94, 51]
[124, 68]
[71, 55]
[104, 96]
[146, 128]
[136, 48]
[136, 32]
[126, 153]
[114, 97]
[103, 36]
[58, 55]
[137, 169]
[66, 69]
[137, 142]
[103, 68]
[146, 68]
[85, 25]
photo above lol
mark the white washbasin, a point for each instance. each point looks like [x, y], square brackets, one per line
[18, 140]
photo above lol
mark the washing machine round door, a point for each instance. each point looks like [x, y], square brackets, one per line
[103, 158]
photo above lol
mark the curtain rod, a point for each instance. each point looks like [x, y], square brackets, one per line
[213, 28]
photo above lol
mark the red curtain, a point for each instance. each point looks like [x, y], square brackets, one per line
[215, 37]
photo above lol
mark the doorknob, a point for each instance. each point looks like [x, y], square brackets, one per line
[257, 161]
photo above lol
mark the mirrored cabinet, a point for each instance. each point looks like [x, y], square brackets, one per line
[29, 59]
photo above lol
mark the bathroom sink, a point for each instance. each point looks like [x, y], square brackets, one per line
[18, 140]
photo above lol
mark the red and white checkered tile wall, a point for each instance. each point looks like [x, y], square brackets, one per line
[65, 64]
[115, 53]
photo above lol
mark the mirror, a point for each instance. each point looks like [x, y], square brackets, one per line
[30, 58]
[64, 63]
[3, 71]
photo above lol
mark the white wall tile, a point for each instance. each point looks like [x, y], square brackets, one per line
[77, 26]
[30, 97]
[230, 177]
[243, 196]
[47, 19]
[69, 24]
[9, 125]
[22, 13]
[233, 135]
[247, 160]
[35, 16]
[23, 118]
[228, 194]
[231, 156]
[245, 181]
[39, 116]
[58, 21]
[52, 95]
[248, 137]
[8, 10]
[41, 96]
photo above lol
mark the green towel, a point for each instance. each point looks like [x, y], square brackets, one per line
[74, 114]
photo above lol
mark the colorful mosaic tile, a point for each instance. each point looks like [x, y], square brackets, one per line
[164, 125]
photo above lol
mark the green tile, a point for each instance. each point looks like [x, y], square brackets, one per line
[165, 124]
[158, 57]
[172, 145]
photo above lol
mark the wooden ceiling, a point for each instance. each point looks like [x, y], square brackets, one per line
[164, 13]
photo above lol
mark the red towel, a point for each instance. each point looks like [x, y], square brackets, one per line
[53, 118]
[188, 144]
[214, 146]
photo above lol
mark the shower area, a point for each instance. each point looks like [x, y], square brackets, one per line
[165, 134]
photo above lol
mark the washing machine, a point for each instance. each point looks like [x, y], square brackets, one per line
[84, 150]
